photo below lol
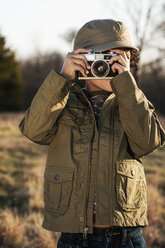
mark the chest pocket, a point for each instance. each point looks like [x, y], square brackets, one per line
[57, 190]
[130, 184]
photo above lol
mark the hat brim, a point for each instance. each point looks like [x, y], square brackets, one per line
[111, 45]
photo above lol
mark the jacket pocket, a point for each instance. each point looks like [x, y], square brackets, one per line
[57, 189]
[130, 184]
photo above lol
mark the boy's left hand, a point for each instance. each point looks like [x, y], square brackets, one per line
[121, 61]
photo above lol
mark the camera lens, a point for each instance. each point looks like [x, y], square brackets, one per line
[100, 68]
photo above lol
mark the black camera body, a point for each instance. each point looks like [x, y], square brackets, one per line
[100, 67]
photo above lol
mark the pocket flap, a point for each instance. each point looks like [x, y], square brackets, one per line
[58, 175]
[130, 168]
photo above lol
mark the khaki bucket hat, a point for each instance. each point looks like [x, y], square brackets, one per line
[103, 34]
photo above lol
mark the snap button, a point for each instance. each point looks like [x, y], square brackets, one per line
[56, 177]
[132, 172]
[81, 219]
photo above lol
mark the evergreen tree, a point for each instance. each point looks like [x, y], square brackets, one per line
[10, 79]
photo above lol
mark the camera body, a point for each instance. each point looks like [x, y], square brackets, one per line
[100, 67]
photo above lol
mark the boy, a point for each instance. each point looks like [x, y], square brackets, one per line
[95, 187]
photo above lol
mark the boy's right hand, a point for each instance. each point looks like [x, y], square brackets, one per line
[75, 61]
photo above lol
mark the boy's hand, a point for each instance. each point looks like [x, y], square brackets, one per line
[75, 61]
[121, 61]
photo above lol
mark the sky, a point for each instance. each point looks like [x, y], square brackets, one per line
[32, 26]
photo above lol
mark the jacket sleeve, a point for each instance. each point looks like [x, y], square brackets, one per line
[39, 123]
[144, 132]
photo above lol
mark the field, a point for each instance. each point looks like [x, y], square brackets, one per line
[21, 191]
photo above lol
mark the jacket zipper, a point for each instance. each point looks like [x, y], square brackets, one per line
[85, 232]
[95, 204]
[111, 167]
[110, 98]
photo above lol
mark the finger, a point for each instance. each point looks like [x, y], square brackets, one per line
[80, 62]
[120, 52]
[119, 59]
[81, 56]
[117, 67]
[80, 69]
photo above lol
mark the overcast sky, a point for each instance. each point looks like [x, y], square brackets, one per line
[36, 25]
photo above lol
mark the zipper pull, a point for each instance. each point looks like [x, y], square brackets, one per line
[85, 233]
[94, 205]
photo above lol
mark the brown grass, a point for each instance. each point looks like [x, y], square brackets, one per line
[7, 182]
[18, 232]
[11, 231]
[153, 233]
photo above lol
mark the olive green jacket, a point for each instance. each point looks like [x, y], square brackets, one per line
[84, 159]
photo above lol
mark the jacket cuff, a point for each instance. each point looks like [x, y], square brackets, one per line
[123, 84]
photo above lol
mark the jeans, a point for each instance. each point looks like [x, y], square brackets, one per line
[113, 237]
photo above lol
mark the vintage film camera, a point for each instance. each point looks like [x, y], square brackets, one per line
[100, 67]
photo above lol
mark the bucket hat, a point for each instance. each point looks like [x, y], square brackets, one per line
[103, 34]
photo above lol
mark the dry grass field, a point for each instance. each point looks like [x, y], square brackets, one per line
[21, 191]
